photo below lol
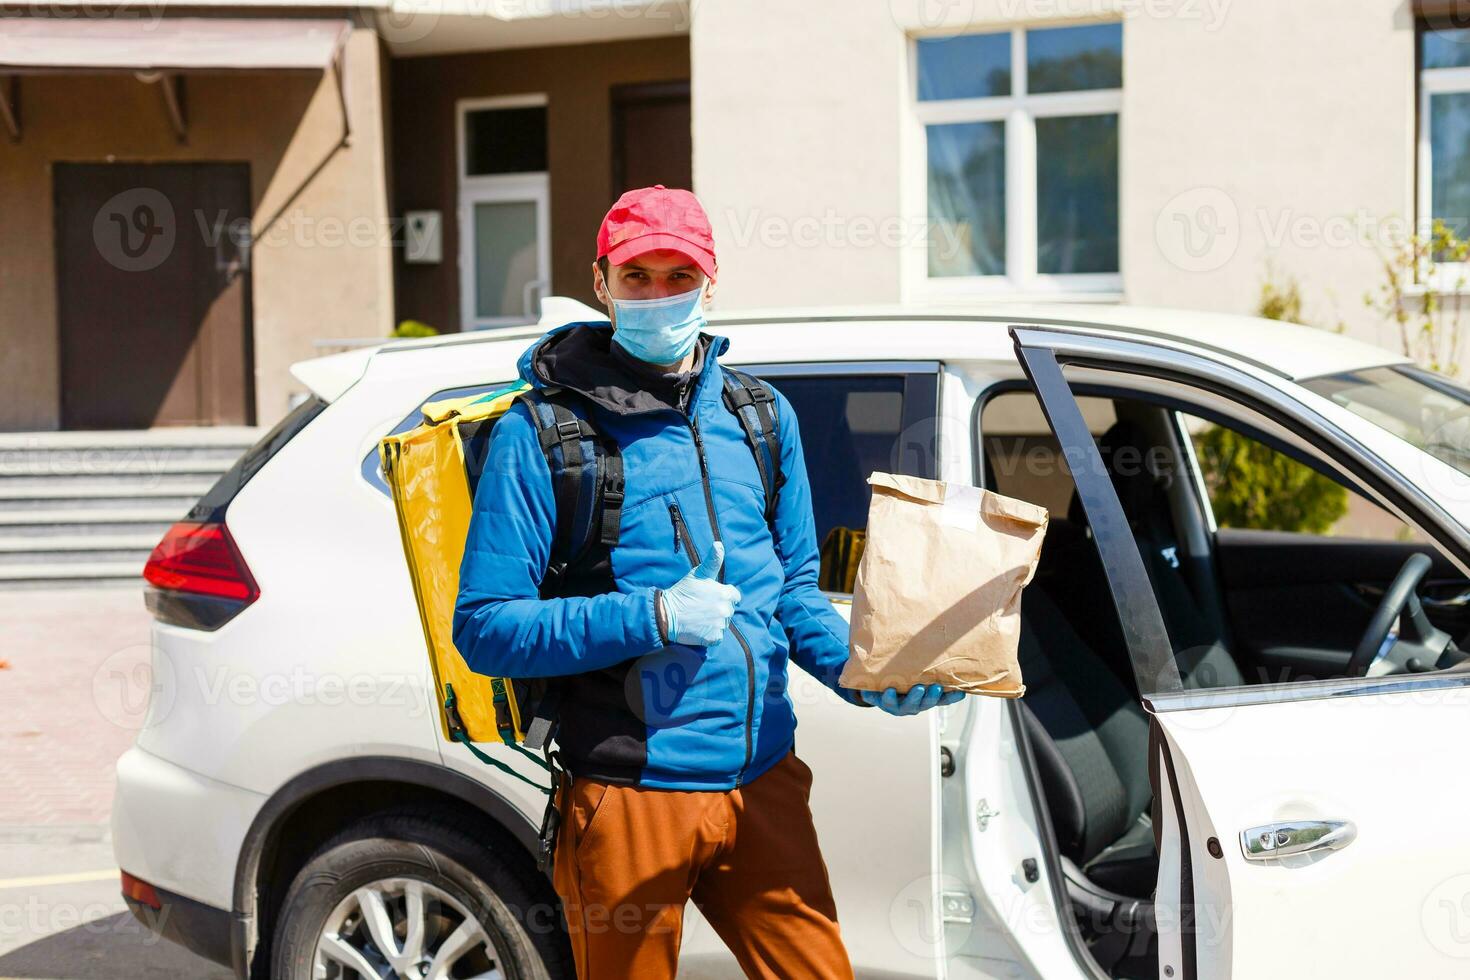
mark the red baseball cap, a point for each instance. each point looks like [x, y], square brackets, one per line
[656, 217]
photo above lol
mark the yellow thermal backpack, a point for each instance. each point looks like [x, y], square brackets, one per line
[428, 471]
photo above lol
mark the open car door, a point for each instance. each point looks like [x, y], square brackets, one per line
[1304, 829]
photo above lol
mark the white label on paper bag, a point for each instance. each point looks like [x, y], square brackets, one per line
[961, 507]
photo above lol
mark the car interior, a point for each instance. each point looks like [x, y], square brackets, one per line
[1241, 604]
[1269, 566]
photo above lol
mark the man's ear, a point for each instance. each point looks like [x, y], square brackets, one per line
[599, 287]
[709, 289]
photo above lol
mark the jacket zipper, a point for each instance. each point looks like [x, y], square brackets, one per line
[682, 535]
[714, 523]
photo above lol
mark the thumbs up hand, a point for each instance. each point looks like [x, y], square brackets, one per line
[697, 609]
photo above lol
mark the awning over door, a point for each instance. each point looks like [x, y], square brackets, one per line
[173, 44]
[162, 49]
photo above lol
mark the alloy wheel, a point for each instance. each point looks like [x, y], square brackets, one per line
[405, 929]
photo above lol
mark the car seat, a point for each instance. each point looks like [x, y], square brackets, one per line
[1089, 737]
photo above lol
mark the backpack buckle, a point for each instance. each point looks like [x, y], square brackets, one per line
[612, 490]
[569, 430]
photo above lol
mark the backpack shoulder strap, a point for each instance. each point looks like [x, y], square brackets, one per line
[753, 402]
[586, 474]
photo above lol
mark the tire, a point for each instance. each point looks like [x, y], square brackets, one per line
[449, 870]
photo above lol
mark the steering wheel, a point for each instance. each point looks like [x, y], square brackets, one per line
[1418, 645]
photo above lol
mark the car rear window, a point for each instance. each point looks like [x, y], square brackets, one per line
[372, 465]
[211, 506]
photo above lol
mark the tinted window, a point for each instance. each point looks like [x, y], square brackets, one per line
[1425, 409]
[1077, 194]
[372, 466]
[1446, 47]
[968, 66]
[1067, 59]
[505, 141]
[854, 425]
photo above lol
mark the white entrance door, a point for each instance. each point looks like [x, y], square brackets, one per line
[504, 211]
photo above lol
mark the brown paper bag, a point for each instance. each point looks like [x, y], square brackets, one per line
[938, 592]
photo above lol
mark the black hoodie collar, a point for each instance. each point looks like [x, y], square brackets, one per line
[585, 360]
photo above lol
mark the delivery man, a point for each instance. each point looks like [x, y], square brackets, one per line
[669, 644]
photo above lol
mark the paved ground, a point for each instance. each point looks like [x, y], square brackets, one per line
[71, 697]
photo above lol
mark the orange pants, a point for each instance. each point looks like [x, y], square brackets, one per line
[629, 858]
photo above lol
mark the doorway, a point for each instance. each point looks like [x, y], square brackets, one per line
[153, 294]
[651, 138]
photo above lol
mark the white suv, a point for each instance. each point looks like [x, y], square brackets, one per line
[1233, 725]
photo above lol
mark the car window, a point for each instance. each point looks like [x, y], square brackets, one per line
[853, 425]
[1425, 409]
[1252, 486]
[1021, 455]
[372, 466]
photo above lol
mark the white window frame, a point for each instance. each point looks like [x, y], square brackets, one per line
[533, 187]
[1436, 81]
[1019, 111]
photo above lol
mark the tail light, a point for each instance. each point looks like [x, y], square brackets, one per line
[140, 891]
[197, 578]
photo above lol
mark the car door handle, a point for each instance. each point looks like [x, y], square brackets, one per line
[1273, 841]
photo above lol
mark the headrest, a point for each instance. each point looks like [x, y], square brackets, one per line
[1131, 464]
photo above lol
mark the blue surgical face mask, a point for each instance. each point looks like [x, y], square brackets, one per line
[659, 331]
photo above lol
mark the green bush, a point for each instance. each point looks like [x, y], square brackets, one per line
[1253, 486]
[414, 328]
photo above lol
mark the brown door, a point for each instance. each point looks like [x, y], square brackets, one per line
[153, 281]
[652, 142]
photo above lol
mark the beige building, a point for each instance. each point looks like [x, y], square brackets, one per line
[194, 197]
[1154, 152]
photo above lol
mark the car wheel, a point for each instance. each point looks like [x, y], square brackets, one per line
[410, 896]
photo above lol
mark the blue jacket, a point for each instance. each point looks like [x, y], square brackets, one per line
[635, 710]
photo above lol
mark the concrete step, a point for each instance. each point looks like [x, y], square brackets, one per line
[79, 542]
[32, 559]
[190, 436]
[51, 522]
[193, 481]
[88, 507]
[76, 549]
[84, 498]
[63, 544]
[104, 462]
[149, 450]
[79, 574]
